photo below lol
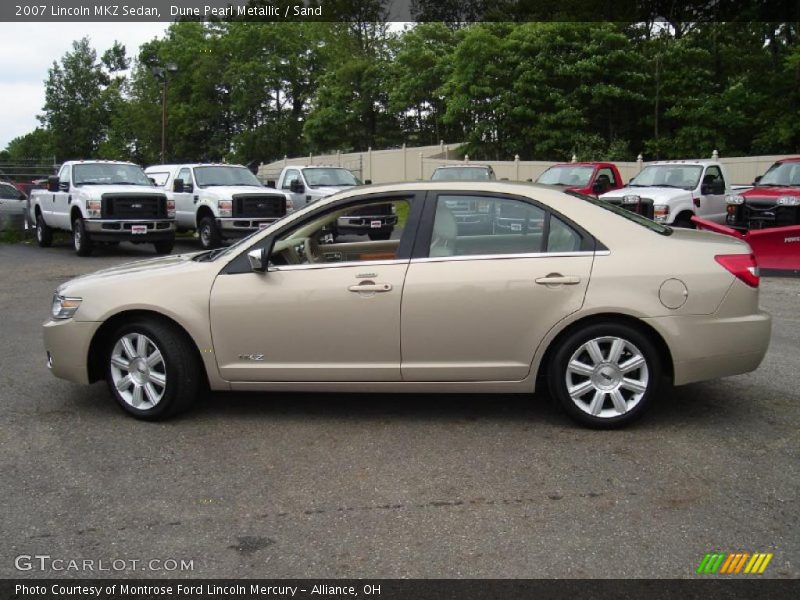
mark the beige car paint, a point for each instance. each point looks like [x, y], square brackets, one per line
[718, 331]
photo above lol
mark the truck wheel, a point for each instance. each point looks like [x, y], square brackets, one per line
[683, 221]
[379, 235]
[209, 234]
[44, 235]
[152, 369]
[80, 238]
[605, 375]
[164, 247]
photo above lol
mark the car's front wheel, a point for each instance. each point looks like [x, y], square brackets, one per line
[152, 369]
[80, 238]
[605, 375]
[209, 234]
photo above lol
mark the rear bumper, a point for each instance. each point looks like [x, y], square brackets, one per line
[117, 230]
[707, 347]
[67, 345]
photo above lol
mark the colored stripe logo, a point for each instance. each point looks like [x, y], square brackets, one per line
[734, 563]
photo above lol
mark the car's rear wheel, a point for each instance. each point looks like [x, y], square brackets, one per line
[44, 235]
[152, 369]
[605, 375]
[80, 238]
[209, 234]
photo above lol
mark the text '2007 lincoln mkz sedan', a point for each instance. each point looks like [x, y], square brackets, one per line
[598, 303]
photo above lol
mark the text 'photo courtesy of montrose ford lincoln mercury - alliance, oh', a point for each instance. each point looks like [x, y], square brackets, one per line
[598, 303]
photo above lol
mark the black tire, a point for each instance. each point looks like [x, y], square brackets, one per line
[380, 235]
[164, 247]
[609, 378]
[80, 238]
[181, 367]
[44, 235]
[684, 222]
[208, 232]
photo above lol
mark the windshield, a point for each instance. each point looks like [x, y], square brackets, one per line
[461, 174]
[213, 176]
[625, 213]
[109, 174]
[577, 176]
[678, 176]
[333, 177]
[782, 174]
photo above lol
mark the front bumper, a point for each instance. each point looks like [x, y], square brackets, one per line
[67, 345]
[117, 230]
[241, 226]
[366, 223]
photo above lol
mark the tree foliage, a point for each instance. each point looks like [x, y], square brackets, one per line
[249, 91]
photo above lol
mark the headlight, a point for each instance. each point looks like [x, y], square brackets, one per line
[660, 212]
[170, 209]
[64, 308]
[94, 209]
[631, 199]
[734, 199]
[225, 208]
[789, 201]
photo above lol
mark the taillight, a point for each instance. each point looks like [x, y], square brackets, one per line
[743, 266]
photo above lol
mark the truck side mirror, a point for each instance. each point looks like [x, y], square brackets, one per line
[52, 183]
[297, 187]
[178, 186]
[757, 179]
[598, 188]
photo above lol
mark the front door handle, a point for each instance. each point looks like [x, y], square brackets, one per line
[558, 279]
[371, 287]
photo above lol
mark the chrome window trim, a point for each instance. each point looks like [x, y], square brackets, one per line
[350, 263]
[509, 256]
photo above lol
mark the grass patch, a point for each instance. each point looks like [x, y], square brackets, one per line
[13, 236]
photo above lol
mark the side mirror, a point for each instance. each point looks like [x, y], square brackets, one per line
[152, 180]
[757, 179]
[297, 187]
[178, 186]
[368, 182]
[52, 183]
[259, 259]
[598, 188]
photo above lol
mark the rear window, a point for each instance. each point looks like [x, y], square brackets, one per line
[625, 213]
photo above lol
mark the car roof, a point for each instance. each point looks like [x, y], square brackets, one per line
[466, 166]
[688, 161]
[191, 165]
[790, 159]
[92, 161]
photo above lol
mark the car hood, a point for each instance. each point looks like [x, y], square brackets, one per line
[99, 190]
[657, 194]
[165, 265]
[771, 192]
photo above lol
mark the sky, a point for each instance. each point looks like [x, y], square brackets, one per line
[27, 50]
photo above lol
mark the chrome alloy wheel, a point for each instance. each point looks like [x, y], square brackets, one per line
[607, 377]
[205, 236]
[138, 371]
[77, 238]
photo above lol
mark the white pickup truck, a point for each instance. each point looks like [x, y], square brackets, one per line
[309, 184]
[219, 201]
[102, 201]
[679, 189]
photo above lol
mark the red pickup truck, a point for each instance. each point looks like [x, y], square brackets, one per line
[774, 201]
[583, 177]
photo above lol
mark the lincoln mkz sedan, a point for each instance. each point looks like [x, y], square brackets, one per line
[597, 303]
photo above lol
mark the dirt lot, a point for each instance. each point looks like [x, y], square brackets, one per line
[292, 485]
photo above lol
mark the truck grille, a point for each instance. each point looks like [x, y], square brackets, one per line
[644, 207]
[757, 213]
[259, 206]
[134, 206]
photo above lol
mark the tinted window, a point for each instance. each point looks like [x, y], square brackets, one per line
[562, 237]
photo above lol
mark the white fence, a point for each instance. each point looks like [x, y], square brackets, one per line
[411, 164]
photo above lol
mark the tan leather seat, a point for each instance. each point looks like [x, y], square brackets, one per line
[445, 231]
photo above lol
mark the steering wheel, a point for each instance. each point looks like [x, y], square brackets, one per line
[310, 249]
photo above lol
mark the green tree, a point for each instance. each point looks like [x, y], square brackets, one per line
[37, 144]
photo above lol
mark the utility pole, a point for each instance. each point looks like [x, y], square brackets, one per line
[162, 74]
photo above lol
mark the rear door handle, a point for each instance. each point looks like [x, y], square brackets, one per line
[558, 279]
[371, 287]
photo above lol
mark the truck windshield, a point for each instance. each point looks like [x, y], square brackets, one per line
[322, 177]
[675, 175]
[461, 174]
[625, 213]
[782, 175]
[109, 174]
[216, 175]
[566, 175]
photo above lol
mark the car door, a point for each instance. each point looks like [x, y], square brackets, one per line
[61, 200]
[185, 202]
[336, 318]
[713, 205]
[299, 200]
[476, 306]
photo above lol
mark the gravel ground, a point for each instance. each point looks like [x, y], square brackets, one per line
[334, 485]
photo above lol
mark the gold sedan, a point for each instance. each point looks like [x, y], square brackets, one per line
[481, 287]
